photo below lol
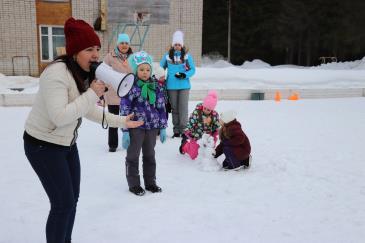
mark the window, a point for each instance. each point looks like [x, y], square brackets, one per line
[51, 38]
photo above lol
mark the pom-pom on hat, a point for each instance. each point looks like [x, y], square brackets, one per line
[123, 37]
[210, 101]
[178, 38]
[228, 116]
[139, 58]
[79, 35]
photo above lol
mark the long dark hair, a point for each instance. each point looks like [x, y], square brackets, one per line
[75, 70]
[129, 52]
[183, 52]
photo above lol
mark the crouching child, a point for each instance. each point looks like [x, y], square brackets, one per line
[234, 143]
[203, 120]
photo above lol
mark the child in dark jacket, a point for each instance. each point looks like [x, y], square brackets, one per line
[146, 100]
[234, 143]
[204, 119]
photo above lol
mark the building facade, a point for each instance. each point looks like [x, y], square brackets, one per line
[31, 31]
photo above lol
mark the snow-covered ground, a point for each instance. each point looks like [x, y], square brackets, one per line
[306, 183]
[255, 74]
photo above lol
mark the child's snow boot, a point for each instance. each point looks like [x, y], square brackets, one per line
[153, 188]
[137, 190]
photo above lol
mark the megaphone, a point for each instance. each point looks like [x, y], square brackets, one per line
[121, 82]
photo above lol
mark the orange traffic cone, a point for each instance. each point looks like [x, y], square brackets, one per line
[277, 96]
[294, 96]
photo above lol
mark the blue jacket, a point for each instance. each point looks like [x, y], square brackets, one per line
[187, 67]
[154, 116]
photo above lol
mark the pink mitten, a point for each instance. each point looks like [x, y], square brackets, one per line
[191, 148]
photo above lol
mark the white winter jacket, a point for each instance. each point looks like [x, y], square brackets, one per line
[58, 108]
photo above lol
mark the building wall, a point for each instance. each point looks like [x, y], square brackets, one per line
[19, 35]
[184, 15]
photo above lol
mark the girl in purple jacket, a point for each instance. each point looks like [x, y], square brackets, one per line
[147, 101]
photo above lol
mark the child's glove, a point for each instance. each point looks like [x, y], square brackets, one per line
[180, 75]
[126, 140]
[162, 135]
[215, 155]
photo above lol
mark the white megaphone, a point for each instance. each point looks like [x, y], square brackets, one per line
[121, 82]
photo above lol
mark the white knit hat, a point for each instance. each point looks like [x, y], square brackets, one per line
[228, 116]
[178, 38]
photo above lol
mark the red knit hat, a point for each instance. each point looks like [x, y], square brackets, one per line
[79, 36]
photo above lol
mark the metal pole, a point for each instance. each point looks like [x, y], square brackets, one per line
[229, 31]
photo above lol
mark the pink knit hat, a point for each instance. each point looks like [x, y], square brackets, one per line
[210, 101]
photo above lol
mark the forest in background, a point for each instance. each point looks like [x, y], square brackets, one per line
[285, 31]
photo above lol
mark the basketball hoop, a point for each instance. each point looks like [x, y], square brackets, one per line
[141, 17]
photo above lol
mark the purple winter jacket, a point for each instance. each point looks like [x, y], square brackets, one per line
[154, 116]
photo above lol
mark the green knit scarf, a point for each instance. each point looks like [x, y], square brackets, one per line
[148, 90]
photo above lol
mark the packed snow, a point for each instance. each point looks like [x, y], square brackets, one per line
[306, 182]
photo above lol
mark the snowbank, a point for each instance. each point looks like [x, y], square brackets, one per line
[16, 84]
[256, 63]
[355, 65]
[219, 74]
[215, 61]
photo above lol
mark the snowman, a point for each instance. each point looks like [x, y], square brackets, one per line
[206, 151]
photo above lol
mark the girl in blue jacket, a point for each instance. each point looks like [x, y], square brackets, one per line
[180, 68]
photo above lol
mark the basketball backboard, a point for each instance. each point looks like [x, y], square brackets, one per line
[139, 11]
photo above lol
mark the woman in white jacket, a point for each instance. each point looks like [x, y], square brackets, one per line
[65, 96]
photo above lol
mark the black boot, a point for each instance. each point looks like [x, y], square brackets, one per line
[137, 190]
[183, 141]
[176, 135]
[153, 188]
[112, 150]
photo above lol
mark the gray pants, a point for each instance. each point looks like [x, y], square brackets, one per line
[145, 140]
[179, 100]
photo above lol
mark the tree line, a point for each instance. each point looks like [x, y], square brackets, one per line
[285, 31]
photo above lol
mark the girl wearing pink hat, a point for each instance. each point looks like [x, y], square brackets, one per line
[204, 119]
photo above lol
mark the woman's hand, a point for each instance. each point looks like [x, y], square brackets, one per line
[132, 124]
[98, 87]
